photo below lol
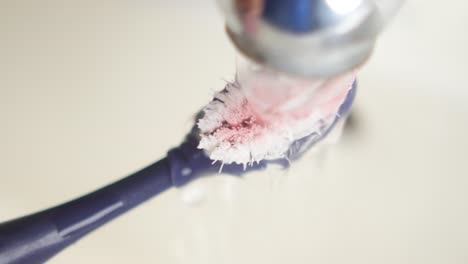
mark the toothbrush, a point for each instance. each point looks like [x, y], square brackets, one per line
[315, 39]
[38, 237]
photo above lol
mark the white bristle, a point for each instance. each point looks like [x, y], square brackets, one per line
[260, 118]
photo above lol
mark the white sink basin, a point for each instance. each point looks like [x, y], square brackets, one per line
[91, 91]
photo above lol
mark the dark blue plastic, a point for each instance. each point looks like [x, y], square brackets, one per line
[38, 237]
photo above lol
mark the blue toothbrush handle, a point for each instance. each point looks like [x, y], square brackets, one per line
[38, 237]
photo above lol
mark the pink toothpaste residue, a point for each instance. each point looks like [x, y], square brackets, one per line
[259, 115]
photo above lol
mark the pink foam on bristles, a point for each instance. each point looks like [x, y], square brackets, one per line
[259, 116]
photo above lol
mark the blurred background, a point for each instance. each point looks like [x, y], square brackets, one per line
[91, 91]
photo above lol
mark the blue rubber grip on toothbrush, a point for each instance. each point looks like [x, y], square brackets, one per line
[38, 237]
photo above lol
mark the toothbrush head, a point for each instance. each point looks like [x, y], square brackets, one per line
[310, 38]
[267, 117]
[193, 159]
